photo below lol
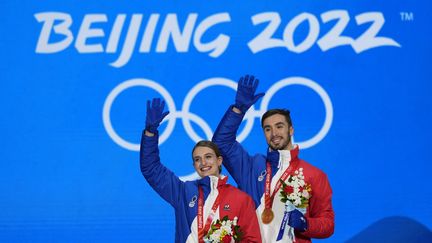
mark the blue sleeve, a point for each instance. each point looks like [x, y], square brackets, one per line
[160, 178]
[236, 159]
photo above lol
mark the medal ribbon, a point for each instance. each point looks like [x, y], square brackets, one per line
[267, 198]
[289, 207]
[284, 223]
[201, 228]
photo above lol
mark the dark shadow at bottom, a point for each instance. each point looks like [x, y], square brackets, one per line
[394, 229]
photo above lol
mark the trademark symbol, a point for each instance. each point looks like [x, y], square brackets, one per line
[407, 16]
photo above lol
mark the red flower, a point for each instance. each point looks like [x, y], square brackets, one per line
[218, 225]
[288, 190]
[226, 239]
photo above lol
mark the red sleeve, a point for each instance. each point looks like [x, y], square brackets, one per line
[248, 221]
[320, 216]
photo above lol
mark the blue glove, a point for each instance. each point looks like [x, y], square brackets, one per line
[297, 220]
[155, 114]
[245, 96]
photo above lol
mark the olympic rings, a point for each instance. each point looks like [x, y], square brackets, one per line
[186, 116]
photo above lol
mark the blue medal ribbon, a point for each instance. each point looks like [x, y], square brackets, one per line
[284, 223]
[288, 208]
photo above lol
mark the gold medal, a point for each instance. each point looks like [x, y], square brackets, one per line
[267, 216]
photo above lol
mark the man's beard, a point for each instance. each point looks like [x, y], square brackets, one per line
[283, 146]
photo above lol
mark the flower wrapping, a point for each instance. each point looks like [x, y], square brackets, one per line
[295, 194]
[224, 230]
[296, 190]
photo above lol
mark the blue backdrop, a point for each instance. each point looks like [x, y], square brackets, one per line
[75, 78]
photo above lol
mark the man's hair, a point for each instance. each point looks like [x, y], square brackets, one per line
[210, 145]
[271, 112]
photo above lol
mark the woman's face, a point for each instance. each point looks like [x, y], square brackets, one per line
[206, 162]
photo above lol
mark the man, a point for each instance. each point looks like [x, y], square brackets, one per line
[293, 197]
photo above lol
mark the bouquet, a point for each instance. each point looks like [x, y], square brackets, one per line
[295, 190]
[224, 230]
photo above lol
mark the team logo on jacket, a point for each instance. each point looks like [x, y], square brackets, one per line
[226, 207]
[192, 202]
[261, 177]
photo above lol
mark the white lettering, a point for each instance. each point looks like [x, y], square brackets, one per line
[85, 32]
[369, 39]
[56, 34]
[311, 37]
[218, 45]
[129, 44]
[48, 19]
[333, 38]
[171, 28]
[115, 34]
[265, 39]
[149, 33]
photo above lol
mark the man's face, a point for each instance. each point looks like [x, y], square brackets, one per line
[206, 162]
[277, 132]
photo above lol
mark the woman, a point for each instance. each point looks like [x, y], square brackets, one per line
[202, 203]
